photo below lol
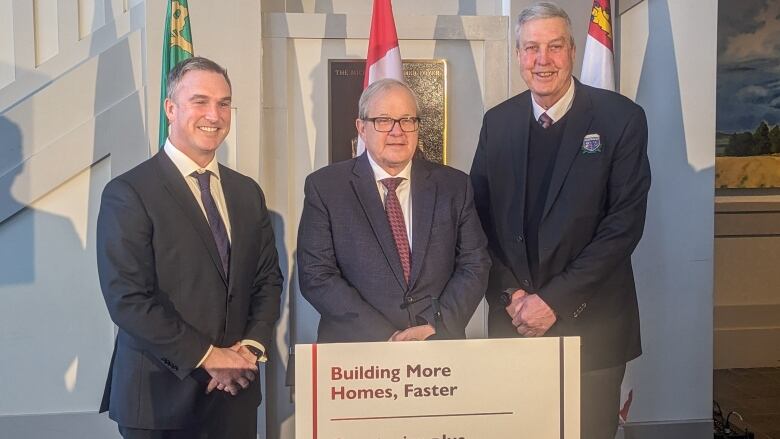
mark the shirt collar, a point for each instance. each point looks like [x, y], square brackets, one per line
[381, 174]
[186, 165]
[560, 108]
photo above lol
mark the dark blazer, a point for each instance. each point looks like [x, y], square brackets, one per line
[349, 268]
[592, 220]
[166, 289]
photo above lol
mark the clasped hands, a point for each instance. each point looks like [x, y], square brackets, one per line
[415, 333]
[232, 369]
[530, 314]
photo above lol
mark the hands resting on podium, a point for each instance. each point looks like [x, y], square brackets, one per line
[530, 314]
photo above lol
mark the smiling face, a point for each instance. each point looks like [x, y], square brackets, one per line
[199, 114]
[393, 150]
[546, 55]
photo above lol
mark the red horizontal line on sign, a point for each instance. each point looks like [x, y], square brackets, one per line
[444, 415]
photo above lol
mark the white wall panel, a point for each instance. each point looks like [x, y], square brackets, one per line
[46, 26]
[55, 334]
[668, 54]
[92, 16]
[7, 61]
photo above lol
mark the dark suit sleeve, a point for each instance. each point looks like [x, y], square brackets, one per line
[618, 232]
[321, 281]
[501, 276]
[267, 284]
[126, 268]
[466, 286]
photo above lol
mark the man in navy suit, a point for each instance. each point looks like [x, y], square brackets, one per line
[190, 275]
[560, 179]
[389, 245]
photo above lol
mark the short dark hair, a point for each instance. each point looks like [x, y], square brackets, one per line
[188, 65]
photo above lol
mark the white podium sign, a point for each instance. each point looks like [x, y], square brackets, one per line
[465, 389]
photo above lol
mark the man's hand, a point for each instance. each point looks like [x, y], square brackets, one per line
[415, 333]
[533, 317]
[518, 300]
[230, 370]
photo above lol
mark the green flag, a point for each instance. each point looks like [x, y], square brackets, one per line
[177, 46]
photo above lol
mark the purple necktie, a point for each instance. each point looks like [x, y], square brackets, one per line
[396, 218]
[545, 120]
[215, 220]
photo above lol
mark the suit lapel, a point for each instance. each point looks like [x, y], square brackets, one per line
[423, 205]
[367, 193]
[176, 186]
[580, 116]
[518, 145]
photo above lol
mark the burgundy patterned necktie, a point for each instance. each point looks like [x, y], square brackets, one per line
[216, 224]
[545, 120]
[397, 224]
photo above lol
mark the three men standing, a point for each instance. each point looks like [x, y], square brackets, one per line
[190, 275]
[390, 246]
[560, 178]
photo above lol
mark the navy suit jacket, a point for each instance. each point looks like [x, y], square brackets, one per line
[166, 289]
[592, 220]
[348, 265]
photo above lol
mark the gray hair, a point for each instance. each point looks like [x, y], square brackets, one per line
[188, 65]
[539, 11]
[380, 87]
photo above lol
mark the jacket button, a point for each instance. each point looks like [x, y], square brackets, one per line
[526, 282]
[409, 299]
[230, 298]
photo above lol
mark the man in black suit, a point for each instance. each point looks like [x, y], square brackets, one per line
[190, 275]
[560, 179]
[389, 245]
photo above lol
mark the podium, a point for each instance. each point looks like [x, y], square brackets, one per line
[454, 389]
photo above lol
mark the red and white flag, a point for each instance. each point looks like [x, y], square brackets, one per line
[383, 59]
[598, 59]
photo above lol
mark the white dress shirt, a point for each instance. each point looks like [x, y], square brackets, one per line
[187, 166]
[558, 109]
[403, 191]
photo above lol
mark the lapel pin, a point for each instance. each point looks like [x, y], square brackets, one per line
[591, 144]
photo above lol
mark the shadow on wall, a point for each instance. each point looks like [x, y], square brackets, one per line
[41, 297]
[675, 256]
[120, 135]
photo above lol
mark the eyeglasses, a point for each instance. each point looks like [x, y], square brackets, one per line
[386, 124]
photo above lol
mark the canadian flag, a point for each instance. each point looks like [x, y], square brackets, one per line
[598, 59]
[383, 59]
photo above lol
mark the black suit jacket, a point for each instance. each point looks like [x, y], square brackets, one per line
[166, 289]
[349, 268]
[592, 220]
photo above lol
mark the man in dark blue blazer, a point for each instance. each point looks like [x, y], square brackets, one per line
[389, 245]
[560, 179]
[190, 275]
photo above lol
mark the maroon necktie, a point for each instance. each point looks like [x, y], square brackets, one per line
[396, 218]
[545, 120]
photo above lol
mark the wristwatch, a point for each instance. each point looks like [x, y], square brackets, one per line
[259, 353]
[506, 296]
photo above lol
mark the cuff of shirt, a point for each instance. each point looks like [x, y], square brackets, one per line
[211, 347]
[256, 344]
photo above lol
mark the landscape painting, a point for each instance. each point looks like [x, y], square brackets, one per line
[747, 145]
